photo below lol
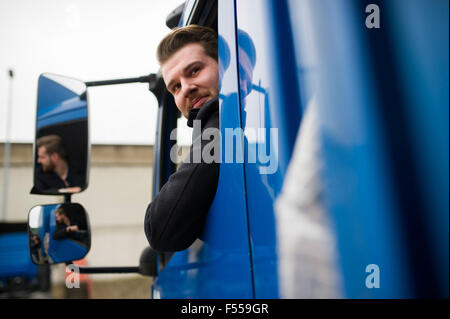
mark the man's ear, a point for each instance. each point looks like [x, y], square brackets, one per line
[54, 157]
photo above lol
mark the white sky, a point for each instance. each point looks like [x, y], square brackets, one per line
[88, 40]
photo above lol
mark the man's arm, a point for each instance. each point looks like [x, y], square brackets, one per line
[60, 232]
[46, 183]
[176, 217]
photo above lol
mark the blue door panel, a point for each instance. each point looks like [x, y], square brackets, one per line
[271, 113]
[359, 189]
[421, 32]
[361, 115]
[219, 265]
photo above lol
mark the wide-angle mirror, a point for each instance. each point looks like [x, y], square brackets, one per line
[58, 233]
[61, 149]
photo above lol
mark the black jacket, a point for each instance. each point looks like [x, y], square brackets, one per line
[176, 216]
[60, 232]
[49, 183]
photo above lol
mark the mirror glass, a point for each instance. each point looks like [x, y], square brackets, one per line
[58, 233]
[61, 149]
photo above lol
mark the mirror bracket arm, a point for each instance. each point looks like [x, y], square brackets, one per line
[108, 270]
[142, 79]
[155, 83]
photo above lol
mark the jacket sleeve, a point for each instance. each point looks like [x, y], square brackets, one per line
[60, 232]
[45, 183]
[176, 216]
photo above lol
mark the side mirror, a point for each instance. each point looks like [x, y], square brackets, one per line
[58, 233]
[61, 152]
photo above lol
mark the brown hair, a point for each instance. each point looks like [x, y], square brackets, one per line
[52, 144]
[61, 211]
[180, 37]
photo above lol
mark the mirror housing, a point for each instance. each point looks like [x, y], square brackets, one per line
[58, 233]
[148, 262]
[61, 149]
[174, 17]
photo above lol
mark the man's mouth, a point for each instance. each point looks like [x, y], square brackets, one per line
[199, 101]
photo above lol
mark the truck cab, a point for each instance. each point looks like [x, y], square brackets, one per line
[382, 158]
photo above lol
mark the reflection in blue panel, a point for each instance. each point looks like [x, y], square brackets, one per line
[384, 114]
[421, 33]
[271, 114]
[53, 94]
[358, 188]
[57, 104]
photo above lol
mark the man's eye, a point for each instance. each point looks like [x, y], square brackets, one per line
[176, 87]
[195, 71]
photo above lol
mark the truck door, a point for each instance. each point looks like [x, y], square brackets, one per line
[271, 110]
[218, 265]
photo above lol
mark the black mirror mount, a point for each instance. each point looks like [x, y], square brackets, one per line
[173, 18]
[155, 83]
[148, 262]
[148, 266]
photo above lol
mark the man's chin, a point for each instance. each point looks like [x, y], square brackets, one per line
[209, 98]
[202, 101]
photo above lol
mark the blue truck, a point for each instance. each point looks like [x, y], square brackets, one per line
[376, 73]
[19, 277]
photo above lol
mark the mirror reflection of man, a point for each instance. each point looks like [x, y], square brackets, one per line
[54, 174]
[247, 61]
[67, 225]
[189, 65]
[63, 225]
[38, 255]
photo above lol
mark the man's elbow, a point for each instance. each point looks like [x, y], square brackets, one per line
[165, 244]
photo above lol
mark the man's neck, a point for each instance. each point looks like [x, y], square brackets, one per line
[193, 113]
[62, 169]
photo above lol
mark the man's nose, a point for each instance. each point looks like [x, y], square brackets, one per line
[188, 88]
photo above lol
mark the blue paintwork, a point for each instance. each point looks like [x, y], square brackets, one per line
[57, 104]
[15, 258]
[62, 250]
[273, 106]
[358, 190]
[363, 193]
[422, 34]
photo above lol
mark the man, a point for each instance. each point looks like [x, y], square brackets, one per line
[64, 228]
[69, 227]
[189, 65]
[37, 254]
[54, 175]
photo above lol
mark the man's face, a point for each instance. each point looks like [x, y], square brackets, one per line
[58, 217]
[45, 160]
[192, 77]
[61, 218]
